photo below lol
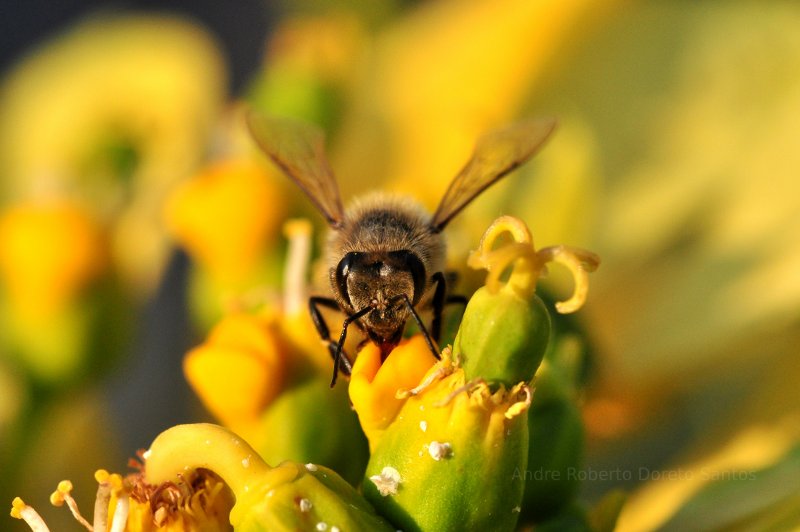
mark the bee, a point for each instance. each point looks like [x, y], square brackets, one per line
[385, 255]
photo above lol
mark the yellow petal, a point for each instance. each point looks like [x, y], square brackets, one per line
[226, 216]
[49, 251]
[374, 386]
[238, 370]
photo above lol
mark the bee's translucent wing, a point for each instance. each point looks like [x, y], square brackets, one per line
[299, 150]
[496, 154]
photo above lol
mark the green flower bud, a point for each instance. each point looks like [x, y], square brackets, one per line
[506, 327]
[503, 336]
[450, 459]
[315, 499]
[555, 450]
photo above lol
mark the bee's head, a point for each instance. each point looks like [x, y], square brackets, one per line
[379, 280]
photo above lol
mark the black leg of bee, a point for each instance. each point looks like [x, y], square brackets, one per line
[314, 303]
[438, 304]
[316, 315]
[456, 299]
[439, 301]
[422, 328]
[337, 355]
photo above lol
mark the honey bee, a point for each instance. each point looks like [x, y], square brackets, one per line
[385, 255]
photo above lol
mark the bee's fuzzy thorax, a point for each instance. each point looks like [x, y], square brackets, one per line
[380, 222]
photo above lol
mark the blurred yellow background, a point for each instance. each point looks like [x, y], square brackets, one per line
[676, 160]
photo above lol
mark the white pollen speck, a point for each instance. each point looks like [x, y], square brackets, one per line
[146, 454]
[246, 487]
[208, 442]
[388, 481]
[516, 509]
[270, 493]
[334, 529]
[439, 450]
[311, 467]
[246, 461]
[422, 407]
[322, 526]
[423, 426]
[305, 505]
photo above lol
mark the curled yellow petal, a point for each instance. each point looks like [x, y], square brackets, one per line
[203, 445]
[527, 264]
[579, 262]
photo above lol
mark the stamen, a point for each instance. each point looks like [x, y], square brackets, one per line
[107, 485]
[62, 495]
[20, 510]
[468, 387]
[520, 406]
[298, 231]
[440, 370]
[120, 520]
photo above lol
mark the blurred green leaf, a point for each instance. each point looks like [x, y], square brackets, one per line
[768, 499]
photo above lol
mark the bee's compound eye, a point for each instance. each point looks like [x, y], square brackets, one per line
[405, 260]
[342, 271]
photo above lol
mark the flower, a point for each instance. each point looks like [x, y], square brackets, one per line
[49, 252]
[196, 501]
[449, 440]
[374, 385]
[441, 432]
[505, 328]
[226, 218]
[204, 477]
[53, 257]
[290, 495]
[239, 369]
[110, 114]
